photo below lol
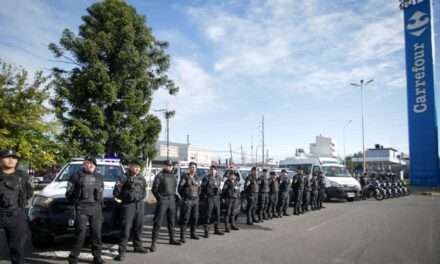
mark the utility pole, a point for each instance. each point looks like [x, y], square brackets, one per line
[262, 134]
[230, 153]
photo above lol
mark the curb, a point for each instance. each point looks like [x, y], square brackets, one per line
[429, 193]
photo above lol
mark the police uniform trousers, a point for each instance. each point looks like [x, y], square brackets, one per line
[315, 197]
[273, 203]
[92, 214]
[16, 229]
[132, 224]
[321, 197]
[283, 203]
[213, 207]
[230, 212]
[189, 214]
[251, 207]
[306, 200]
[263, 202]
[298, 194]
[166, 205]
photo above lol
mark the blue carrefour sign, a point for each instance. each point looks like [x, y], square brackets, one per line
[423, 141]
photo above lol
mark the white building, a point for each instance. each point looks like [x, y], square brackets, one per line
[323, 147]
[380, 158]
[182, 152]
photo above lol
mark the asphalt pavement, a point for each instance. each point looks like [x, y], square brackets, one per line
[403, 230]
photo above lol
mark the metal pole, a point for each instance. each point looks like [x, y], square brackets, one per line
[343, 137]
[363, 127]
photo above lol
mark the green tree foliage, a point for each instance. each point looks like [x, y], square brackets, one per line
[23, 110]
[103, 100]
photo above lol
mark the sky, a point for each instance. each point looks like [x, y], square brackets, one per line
[234, 61]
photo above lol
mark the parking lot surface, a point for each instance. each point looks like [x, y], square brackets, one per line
[403, 230]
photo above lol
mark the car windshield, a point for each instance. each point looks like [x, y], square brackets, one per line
[111, 173]
[335, 171]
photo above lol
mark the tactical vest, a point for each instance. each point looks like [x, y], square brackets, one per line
[135, 188]
[190, 187]
[232, 190]
[167, 184]
[252, 184]
[274, 186]
[264, 184]
[90, 188]
[212, 186]
[11, 190]
[284, 184]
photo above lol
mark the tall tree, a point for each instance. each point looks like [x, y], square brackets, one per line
[103, 100]
[24, 111]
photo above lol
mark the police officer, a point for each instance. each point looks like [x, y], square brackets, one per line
[298, 189]
[321, 181]
[84, 190]
[251, 190]
[274, 188]
[263, 196]
[284, 194]
[189, 190]
[211, 193]
[15, 190]
[230, 193]
[363, 183]
[307, 193]
[131, 191]
[164, 190]
[315, 191]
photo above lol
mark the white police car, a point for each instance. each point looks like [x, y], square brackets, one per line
[52, 215]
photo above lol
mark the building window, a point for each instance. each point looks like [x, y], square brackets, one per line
[174, 151]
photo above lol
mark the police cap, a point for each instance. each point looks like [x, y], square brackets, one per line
[8, 153]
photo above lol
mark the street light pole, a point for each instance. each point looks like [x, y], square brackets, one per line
[362, 84]
[343, 136]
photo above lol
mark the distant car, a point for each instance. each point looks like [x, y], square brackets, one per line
[52, 215]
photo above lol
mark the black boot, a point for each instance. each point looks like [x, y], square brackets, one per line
[206, 227]
[98, 260]
[227, 230]
[73, 260]
[182, 234]
[217, 231]
[140, 249]
[234, 227]
[153, 246]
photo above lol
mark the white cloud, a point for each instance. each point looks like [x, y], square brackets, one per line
[197, 94]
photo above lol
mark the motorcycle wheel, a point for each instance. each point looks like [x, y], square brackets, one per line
[378, 195]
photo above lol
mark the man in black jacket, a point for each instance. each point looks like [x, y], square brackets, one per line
[15, 190]
[230, 193]
[251, 189]
[284, 194]
[298, 189]
[274, 187]
[164, 190]
[189, 190]
[263, 196]
[85, 190]
[211, 194]
[131, 191]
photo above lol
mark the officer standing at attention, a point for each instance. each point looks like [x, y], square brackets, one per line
[307, 193]
[251, 190]
[321, 180]
[189, 190]
[131, 191]
[263, 197]
[274, 186]
[315, 191]
[84, 190]
[211, 192]
[164, 190]
[230, 193]
[15, 190]
[298, 188]
[284, 194]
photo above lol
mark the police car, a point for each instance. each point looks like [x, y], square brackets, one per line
[52, 215]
